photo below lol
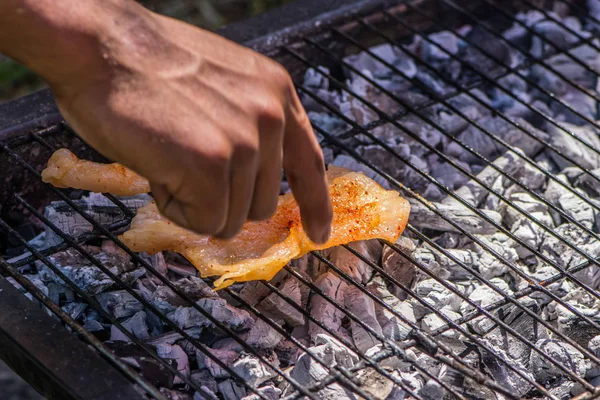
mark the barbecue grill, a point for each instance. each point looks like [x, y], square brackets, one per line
[502, 282]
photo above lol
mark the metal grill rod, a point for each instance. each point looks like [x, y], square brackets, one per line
[487, 162]
[397, 184]
[88, 337]
[479, 101]
[452, 324]
[441, 186]
[141, 261]
[539, 61]
[580, 9]
[588, 40]
[516, 71]
[457, 363]
[352, 386]
[94, 303]
[492, 286]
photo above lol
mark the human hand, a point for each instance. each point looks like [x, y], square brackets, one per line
[208, 122]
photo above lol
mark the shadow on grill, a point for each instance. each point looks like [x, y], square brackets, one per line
[484, 115]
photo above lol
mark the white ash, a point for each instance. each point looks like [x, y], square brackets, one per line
[276, 307]
[174, 352]
[399, 267]
[394, 321]
[362, 306]
[392, 325]
[97, 206]
[563, 353]
[231, 317]
[323, 311]
[263, 336]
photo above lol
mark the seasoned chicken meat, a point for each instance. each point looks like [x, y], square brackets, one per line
[65, 170]
[361, 210]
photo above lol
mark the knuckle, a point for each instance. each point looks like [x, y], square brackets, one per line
[271, 110]
[280, 75]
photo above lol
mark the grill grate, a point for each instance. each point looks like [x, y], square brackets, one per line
[432, 344]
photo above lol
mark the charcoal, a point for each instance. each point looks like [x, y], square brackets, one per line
[472, 192]
[433, 321]
[227, 357]
[422, 217]
[252, 370]
[308, 371]
[119, 303]
[87, 276]
[570, 147]
[175, 394]
[75, 310]
[288, 351]
[270, 392]
[231, 317]
[553, 33]
[176, 353]
[325, 312]
[432, 390]
[589, 184]
[165, 338]
[231, 390]
[352, 265]
[275, 307]
[182, 270]
[137, 325]
[563, 353]
[206, 394]
[514, 136]
[399, 267]
[496, 361]
[99, 330]
[392, 326]
[97, 206]
[363, 307]
[151, 369]
[578, 209]
[263, 336]
[204, 379]
[254, 291]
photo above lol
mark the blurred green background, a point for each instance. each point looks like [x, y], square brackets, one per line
[16, 80]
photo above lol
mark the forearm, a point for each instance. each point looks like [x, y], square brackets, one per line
[59, 38]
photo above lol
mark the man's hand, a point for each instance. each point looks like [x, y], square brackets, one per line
[208, 122]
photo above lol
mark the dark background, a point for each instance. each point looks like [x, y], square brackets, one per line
[16, 81]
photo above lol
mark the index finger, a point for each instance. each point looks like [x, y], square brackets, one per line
[305, 169]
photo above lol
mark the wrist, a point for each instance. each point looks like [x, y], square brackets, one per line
[67, 40]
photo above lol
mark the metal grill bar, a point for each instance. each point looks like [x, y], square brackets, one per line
[445, 189]
[351, 385]
[88, 337]
[90, 300]
[148, 267]
[444, 355]
[476, 99]
[537, 60]
[494, 82]
[487, 162]
[348, 150]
